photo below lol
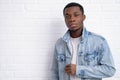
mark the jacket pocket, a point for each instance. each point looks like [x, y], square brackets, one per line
[91, 57]
[61, 58]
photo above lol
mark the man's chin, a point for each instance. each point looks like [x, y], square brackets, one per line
[74, 29]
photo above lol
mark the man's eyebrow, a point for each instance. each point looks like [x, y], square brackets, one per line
[77, 12]
[74, 13]
[66, 14]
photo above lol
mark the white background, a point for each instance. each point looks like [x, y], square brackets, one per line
[30, 28]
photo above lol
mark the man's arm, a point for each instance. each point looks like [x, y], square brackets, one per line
[105, 69]
[54, 69]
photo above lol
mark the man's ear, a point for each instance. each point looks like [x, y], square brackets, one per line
[84, 17]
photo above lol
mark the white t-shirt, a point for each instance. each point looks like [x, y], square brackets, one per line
[74, 46]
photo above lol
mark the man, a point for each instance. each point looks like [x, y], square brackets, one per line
[80, 54]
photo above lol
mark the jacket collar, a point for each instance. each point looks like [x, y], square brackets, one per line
[66, 36]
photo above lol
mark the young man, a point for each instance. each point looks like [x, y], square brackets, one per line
[80, 54]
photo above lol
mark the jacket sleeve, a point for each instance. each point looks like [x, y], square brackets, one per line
[54, 68]
[104, 69]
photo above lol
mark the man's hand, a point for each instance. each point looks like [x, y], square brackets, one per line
[70, 69]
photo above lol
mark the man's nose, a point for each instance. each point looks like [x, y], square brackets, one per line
[72, 19]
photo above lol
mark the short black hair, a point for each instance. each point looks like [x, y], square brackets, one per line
[72, 4]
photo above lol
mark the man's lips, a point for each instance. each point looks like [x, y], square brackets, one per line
[73, 25]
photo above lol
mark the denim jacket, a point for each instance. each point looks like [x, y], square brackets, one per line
[94, 58]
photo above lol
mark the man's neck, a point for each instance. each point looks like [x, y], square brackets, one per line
[76, 33]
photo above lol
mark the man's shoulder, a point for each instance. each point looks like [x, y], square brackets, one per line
[95, 36]
[60, 41]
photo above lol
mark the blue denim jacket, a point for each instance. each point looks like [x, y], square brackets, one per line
[94, 58]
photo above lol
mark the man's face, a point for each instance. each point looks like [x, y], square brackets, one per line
[74, 18]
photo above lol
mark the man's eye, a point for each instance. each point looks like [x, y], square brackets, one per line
[67, 16]
[76, 15]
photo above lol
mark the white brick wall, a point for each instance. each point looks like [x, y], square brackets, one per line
[29, 29]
